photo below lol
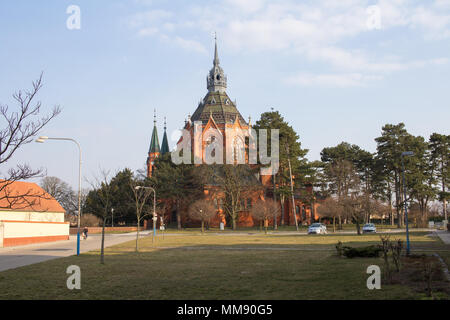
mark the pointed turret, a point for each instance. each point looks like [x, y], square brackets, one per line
[165, 144]
[154, 150]
[154, 144]
[216, 80]
[216, 61]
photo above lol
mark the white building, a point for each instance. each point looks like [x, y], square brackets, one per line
[28, 215]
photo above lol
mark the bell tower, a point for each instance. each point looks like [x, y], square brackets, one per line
[154, 150]
[216, 79]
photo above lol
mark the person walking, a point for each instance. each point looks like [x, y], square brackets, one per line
[85, 233]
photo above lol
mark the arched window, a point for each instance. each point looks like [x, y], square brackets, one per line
[237, 150]
[209, 141]
[249, 203]
[242, 204]
[303, 213]
[297, 209]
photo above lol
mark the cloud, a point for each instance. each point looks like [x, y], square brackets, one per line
[189, 45]
[344, 80]
[144, 32]
[150, 17]
[318, 32]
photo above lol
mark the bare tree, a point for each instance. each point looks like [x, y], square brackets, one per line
[19, 127]
[202, 210]
[63, 193]
[100, 201]
[237, 182]
[331, 208]
[263, 210]
[141, 196]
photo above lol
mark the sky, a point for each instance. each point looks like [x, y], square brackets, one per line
[336, 71]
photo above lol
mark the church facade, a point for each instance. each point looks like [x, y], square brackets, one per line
[217, 120]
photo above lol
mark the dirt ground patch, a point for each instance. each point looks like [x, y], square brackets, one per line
[424, 274]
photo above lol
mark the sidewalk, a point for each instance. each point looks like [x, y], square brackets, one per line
[14, 257]
[444, 235]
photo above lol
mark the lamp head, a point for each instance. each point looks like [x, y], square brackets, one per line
[42, 139]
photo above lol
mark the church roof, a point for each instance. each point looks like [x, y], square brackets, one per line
[165, 144]
[217, 103]
[220, 106]
[154, 144]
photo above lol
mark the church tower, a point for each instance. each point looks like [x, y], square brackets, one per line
[165, 144]
[218, 112]
[216, 79]
[154, 150]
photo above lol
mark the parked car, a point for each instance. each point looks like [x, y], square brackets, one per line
[317, 228]
[369, 227]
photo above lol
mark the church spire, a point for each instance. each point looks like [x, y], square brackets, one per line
[154, 144]
[165, 144]
[216, 61]
[216, 80]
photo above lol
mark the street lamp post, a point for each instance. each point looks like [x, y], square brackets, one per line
[406, 153]
[292, 189]
[42, 139]
[154, 209]
[112, 217]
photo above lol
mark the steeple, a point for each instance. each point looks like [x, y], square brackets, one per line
[216, 80]
[154, 144]
[165, 144]
[216, 54]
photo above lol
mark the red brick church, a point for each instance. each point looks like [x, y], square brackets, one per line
[218, 113]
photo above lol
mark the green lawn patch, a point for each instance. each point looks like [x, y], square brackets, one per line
[215, 267]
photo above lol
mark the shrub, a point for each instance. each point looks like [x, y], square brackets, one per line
[339, 249]
[90, 220]
[362, 252]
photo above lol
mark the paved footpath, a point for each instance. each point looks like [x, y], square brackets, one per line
[14, 257]
[444, 235]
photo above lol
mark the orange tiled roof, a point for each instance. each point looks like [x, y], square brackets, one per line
[26, 196]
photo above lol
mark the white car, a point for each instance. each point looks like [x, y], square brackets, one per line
[369, 227]
[317, 228]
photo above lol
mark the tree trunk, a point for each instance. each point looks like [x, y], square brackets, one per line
[275, 226]
[282, 209]
[178, 216]
[334, 224]
[391, 212]
[203, 225]
[358, 228]
[233, 219]
[444, 201]
[178, 221]
[260, 225]
[398, 197]
[102, 250]
[339, 223]
[137, 235]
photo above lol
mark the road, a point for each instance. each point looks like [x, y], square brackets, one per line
[14, 257]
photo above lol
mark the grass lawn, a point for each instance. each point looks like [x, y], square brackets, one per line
[217, 267]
